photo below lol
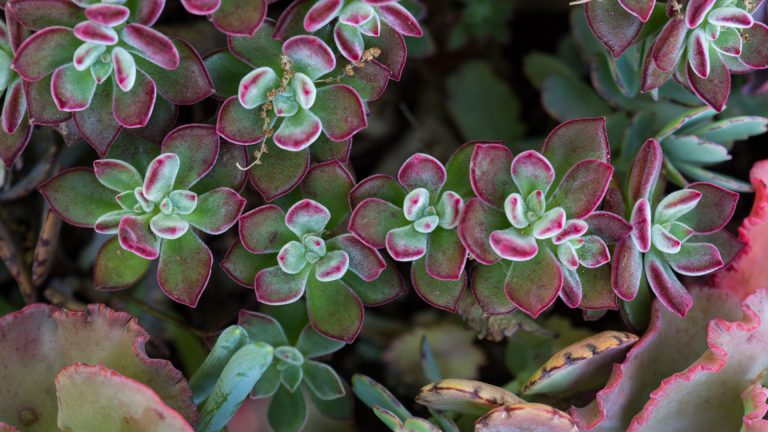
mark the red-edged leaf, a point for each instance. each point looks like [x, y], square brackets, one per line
[107, 14]
[125, 68]
[513, 245]
[135, 236]
[530, 416]
[332, 266]
[201, 7]
[489, 172]
[696, 11]
[645, 171]
[237, 124]
[613, 25]
[534, 285]
[321, 13]
[651, 76]
[531, 171]
[666, 286]
[298, 131]
[14, 107]
[263, 229]
[78, 197]
[334, 310]
[240, 18]
[626, 269]
[487, 286]
[275, 287]
[133, 404]
[114, 269]
[698, 53]
[197, 147]
[161, 176]
[152, 45]
[117, 175]
[188, 83]
[593, 252]
[40, 14]
[755, 46]
[641, 225]
[279, 172]
[608, 226]
[393, 50]
[132, 109]
[400, 19]
[184, 268]
[42, 110]
[307, 217]
[216, 210]
[340, 110]
[695, 259]
[639, 8]
[406, 243]
[715, 89]
[72, 89]
[11, 146]
[90, 31]
[730, 16]
[446, 256]
[713, 210]
[349, 41]
[477, 223]
[669, 45]
[422, 171]
[582, 188]
[364, 261]
[572, 291]
[241, 266]
[373, 218]
[442, 294]
[575, 140]
[146, 12]
[377, 186]
[309, 55]
[97, 124]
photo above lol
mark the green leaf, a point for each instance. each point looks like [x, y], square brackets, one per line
[323, 380]
[78, 197]
[334, 309]
[291, 376]
[116, 268]
[476, 86]
[204, 380]
[236, 381]
[268, 384]
[262, 327]
[184, 268]
[329, 183]
[374, 394]
[287, 411]
[538, 66]
[428, 364]
[566, 98]
[313, 344]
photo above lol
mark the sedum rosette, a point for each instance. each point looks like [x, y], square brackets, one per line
[284, 254]
[102, 58]
[358, 18]
[677, 234]
[152, 215]
[701, 43]
[529, 224]
[415, 219]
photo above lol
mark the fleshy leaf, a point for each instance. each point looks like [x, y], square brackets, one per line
[45, 51]
[152, 45]
[534, 285]
[695, 259]
[531, 171]
[666, 286]
[263, 229]
[216, 211]
[582, 188]
[422, 171]
[72, 89]
[526, 416]
[161, 175]
[340, 110]
[613, 25]
[309, 55]
[42, 339]
[78, 197]
[406, 243]
[95, 397]
[253, 87]
[334, 310]
[713, 210]
[576, 140]
[373, 218]
[275, 287]
[489, 173]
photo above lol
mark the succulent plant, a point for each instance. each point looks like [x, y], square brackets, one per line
[262, 358]
[233, 17]
[415, 219]
[677, 233]
[358, 18]
[388, 409]
[530, 237]
[283, 254]
[78, 369]
[701, 43]
[152, 214]
[16, 130]
[102, 58]
[289, 94]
